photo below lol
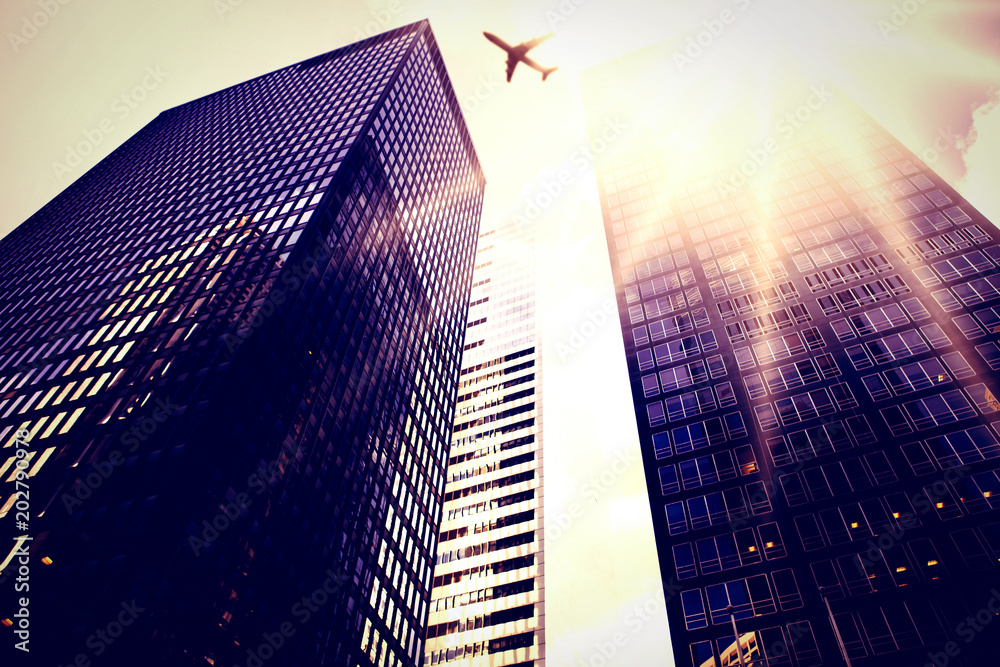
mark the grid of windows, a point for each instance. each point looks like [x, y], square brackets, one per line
[852, 299]
[493, 500]
[256, 303]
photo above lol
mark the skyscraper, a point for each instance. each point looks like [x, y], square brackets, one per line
[488, 600]
[810, 317]
[235, 344]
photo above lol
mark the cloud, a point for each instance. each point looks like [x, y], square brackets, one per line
[980, 113]
[982, 168]
[631, 633]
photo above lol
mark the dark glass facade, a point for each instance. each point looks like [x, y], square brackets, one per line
[236, 346]
[811, 318]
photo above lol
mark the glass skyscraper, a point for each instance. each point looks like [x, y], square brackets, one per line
[234, 347]
[811, 318]
[487, 603]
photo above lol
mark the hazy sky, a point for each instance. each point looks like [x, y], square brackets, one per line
[83, 75]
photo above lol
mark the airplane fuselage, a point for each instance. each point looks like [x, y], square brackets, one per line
[518, 54]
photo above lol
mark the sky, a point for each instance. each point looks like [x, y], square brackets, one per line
[81, 76]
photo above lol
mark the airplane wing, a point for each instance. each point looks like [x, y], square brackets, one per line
[511, 64]
[532, 64]
[532, 43]
[535, 66]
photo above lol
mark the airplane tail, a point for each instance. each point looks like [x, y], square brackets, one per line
[546, 72]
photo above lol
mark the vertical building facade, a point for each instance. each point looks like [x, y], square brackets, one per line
[234, 346]
[488, 600]
[811, 318]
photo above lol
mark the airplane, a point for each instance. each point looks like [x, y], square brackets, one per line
[516, 54]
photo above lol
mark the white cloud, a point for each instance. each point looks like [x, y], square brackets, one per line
[982, 163]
